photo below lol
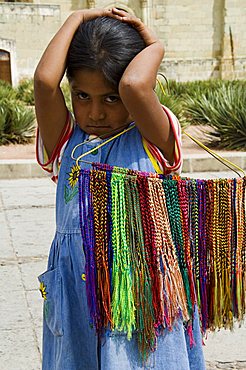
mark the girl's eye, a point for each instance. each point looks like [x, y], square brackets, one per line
[112, 98]
[82, 96]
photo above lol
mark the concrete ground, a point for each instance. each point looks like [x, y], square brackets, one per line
[27, 219]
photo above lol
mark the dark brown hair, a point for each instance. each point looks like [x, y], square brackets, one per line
[104, 44]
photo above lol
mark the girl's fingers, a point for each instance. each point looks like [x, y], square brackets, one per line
[89, 14]
[147, 35]
[120, 12]
[114, 13]
[127, 18]
[124, 16]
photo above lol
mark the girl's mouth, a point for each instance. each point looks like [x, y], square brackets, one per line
[98, 126]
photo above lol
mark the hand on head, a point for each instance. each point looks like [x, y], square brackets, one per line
[147, 35]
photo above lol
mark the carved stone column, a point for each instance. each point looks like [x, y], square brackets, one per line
[91, 4]
[144, 7]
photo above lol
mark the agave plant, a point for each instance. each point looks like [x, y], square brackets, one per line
[17, 122]
[3, 116]
[25, 91]
[7, 91]
[224, 111]
[177, 89]
[22, 125]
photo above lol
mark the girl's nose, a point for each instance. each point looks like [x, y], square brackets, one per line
[97, 112]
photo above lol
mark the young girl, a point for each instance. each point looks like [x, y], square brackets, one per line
[111, 59]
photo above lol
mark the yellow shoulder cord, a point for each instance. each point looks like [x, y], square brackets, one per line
[151, 157]
[221, 159]
[160, 84]
[97, 147]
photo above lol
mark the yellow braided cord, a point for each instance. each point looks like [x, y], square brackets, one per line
[151, 157]
[240, 228]
[223, 160]
[100, 145]
[161, 86]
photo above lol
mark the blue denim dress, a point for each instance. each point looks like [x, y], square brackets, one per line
[69, 340]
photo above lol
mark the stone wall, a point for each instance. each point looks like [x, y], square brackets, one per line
[234, 53]
[25, 29]
[203, 39]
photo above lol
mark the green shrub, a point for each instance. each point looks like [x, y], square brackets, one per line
[224, 111]
[25, 91]
[194, 88]
[7, 91]
[17, 122]
[218, 104]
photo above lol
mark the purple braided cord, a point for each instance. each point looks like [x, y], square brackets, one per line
[87, 232]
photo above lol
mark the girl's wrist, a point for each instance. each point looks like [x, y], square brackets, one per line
[160, 47]
[88, 14]
[77, 16]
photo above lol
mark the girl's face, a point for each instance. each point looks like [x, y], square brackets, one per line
[97, 106]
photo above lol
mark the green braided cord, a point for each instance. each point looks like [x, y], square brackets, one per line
[174, 213]
[123, 308]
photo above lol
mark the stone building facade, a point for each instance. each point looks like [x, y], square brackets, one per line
[203, 39]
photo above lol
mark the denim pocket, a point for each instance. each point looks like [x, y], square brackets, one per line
[51, 290]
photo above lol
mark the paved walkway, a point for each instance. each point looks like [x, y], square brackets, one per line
[27, 219]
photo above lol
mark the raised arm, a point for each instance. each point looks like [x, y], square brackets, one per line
[137, 89]
[51, 111]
